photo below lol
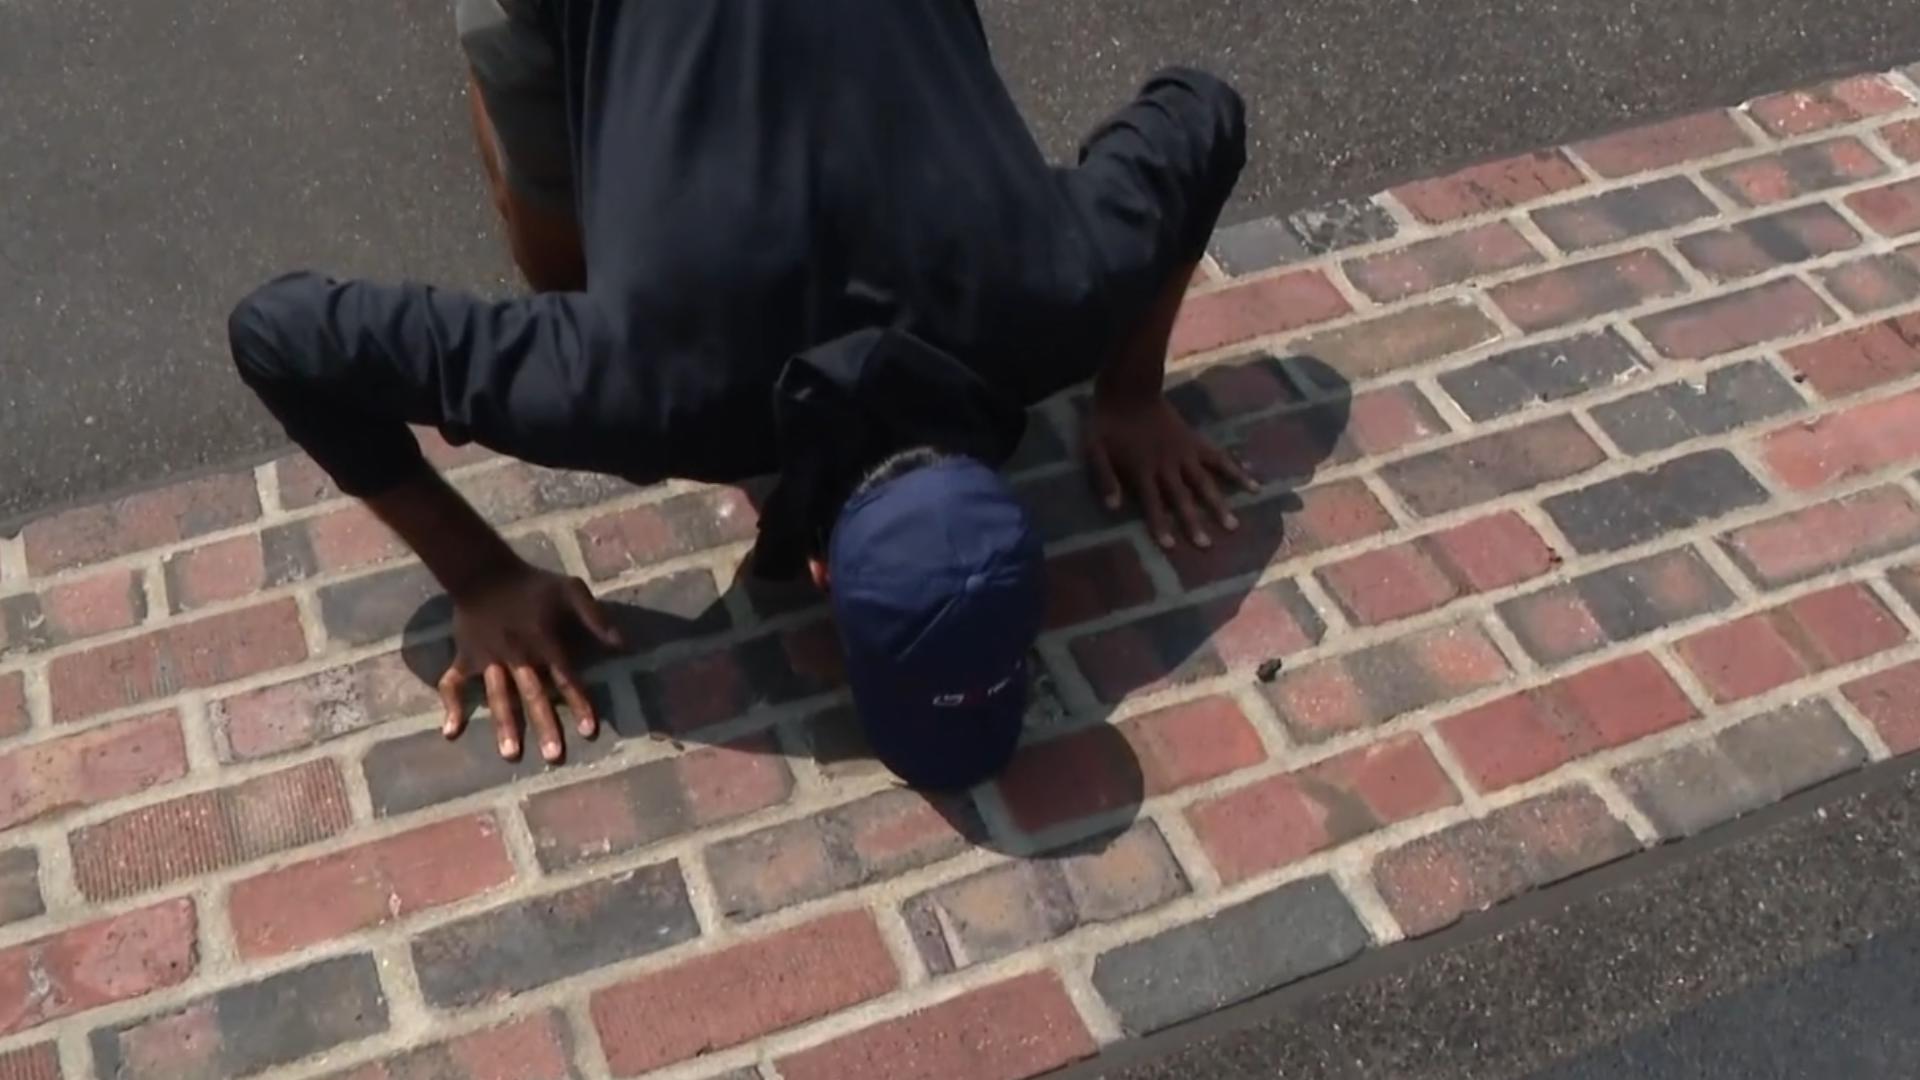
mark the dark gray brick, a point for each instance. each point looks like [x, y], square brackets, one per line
[1063, 505]
[1614, 605]
[250, 1028]
[1628, 212]
[1493, 465]
[19, 885]
[1752, 764]
[1245, 950]
[378, 606]
[1662, 416]
[1552, 371]
[678, 607]
[1637, 507]
[1269, 242]
[530, 943]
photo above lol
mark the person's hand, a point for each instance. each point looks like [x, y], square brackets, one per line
[1149, 449]
[510, 630]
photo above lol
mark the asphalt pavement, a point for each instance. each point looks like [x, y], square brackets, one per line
[159, 158]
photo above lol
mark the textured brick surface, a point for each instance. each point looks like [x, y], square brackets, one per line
[1587, 493]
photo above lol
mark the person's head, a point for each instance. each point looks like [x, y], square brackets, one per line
[938, 586]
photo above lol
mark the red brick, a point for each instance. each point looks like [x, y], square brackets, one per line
[39, 1062]
[13, 704]
[741, 993]
[1583, 290]
[1446, 260]
[1385, 420]
[1007, 1031]
[213, 573]
[1490, 466]
[1887, 701]
[1876, 282]
[1242, 312]
[317, 708]
[1802, 112]
[1273, 822]
[1381, 682]
[1847, 444]
[187, 656]
[1857, 360]
[1840, 625]
[1903, 138]
[349, 538]
[137, 522]
[1742, 658]
[1197, 642]
[1849, 530]
[682, 525]
[1105, 768]
[1656, 146]
[712, 687]
[210, 830]
[103, 603]
[1724, 324]
[1772, 648]
[99, 963]
[1893, 210]
[1493, 552]
[1281, 528]
[1496, 185]
[1388, 584]
[1293, 445]
[1797, 171]
[1436, 879]
[95, 766]
[302, 484]
[530, 1048]
[1525, 735]
[1095, 581]
[1766, 243]
[369, 885]
[1623, 213]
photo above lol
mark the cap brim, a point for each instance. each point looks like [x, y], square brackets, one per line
[943, 749]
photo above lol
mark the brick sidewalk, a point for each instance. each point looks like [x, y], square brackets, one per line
[1589, 526]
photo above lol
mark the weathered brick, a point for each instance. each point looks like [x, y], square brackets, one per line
[1021, 903]
[185, 656]
[210, 830]
[1727, 398]
[38, 1062]
[20, 897]
[1063, 506]
[367, 609]
[1658, 145]
[1724, 324]
[1493, 465]
[1752, 764]
[1242, 951]
[94, 766]
[302, 484]
[1380, 682]
[741, 993]
[1527, 734]
[1903, 138]
[1428, 572]
[1845, 531]
[418, 770]
[100, 604]
[1847, 444]
[320, 707]
[137, 522]
[14, 717]
[1276, 821]
[369, 885]
[1107, 767]
[1625, 213]
[345, 539]
[1886, 700]
[530, 1048]
[682, 525]
[1478, 252]
[1009, 1030]
[1636, 507]
[1844, 101]
[1768, 649]
[1492, 552]
[1797, 171]
[868, 840]
[1861, 359]
[1433, 881]
[220, 571]
[1292, 446]
[648, 803]
[1765, 243]
[1094, 582]
[1286, 526]
[1614, 605]
[1404, 339]
[1496, 185]
[676, 607]
[1876, 282]
[1242, 312]
[1534, 374]
[250, 1028]
[1198, 642]
[1267, 242]
[1892, 210]
[98, 963]
[1228, 389]
[515, 947]
[711, 687]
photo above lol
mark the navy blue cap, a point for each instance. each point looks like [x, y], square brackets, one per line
[938, 585]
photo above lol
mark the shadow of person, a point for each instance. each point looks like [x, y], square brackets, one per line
[757, 668]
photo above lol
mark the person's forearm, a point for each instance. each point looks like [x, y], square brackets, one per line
[1136, 372]
[458, 546]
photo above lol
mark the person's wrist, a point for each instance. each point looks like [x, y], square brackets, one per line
[483, 572]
